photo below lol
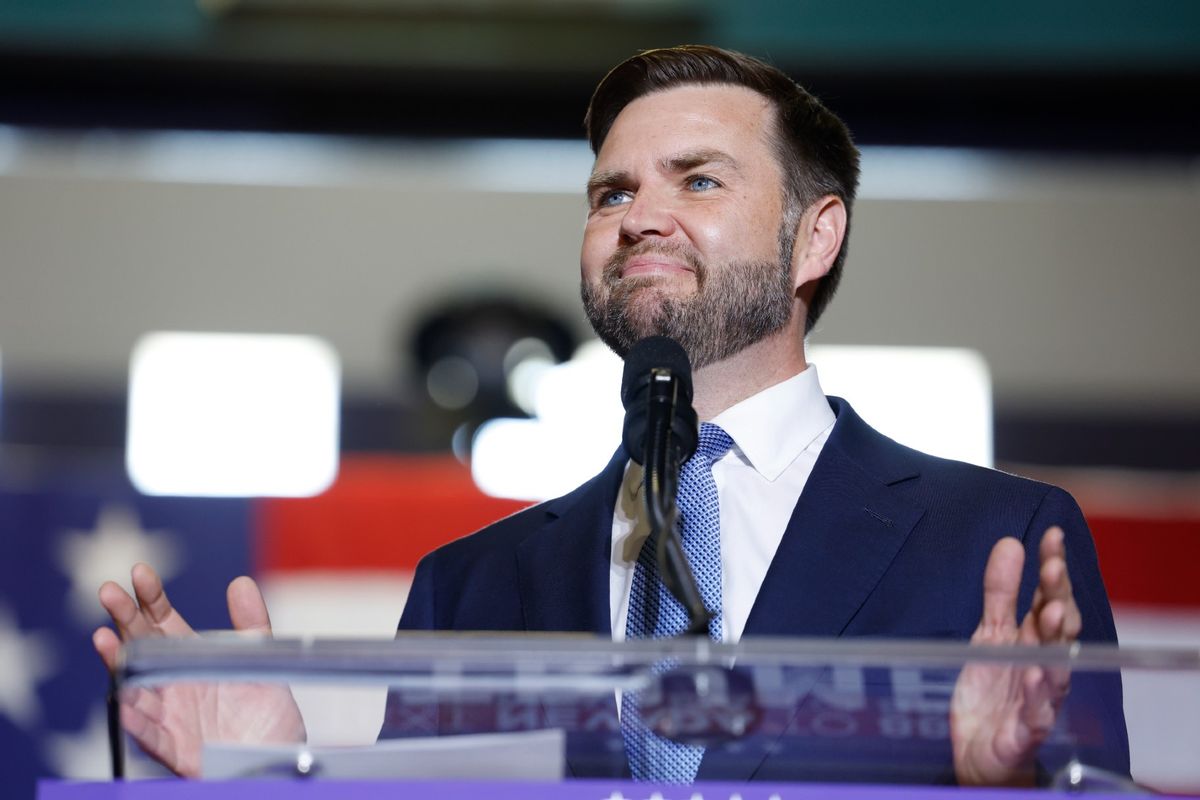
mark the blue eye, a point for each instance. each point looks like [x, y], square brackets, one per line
[614, 198]
[701, 183]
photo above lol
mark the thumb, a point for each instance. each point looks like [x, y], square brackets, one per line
[247, 609]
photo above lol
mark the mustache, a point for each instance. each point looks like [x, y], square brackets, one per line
[673, 250]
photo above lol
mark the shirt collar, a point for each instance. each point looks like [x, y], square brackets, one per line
[772, 428]
[769, 429]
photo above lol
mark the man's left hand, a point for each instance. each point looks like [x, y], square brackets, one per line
[1000, 714]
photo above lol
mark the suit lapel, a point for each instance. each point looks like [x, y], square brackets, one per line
[843, 534]
[562, 568]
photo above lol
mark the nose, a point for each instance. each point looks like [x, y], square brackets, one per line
[647, 215]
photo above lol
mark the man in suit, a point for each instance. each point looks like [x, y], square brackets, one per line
[719, 205]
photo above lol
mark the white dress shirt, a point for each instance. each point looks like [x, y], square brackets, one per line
[777, 435]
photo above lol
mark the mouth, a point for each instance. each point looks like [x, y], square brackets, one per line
[653, 265]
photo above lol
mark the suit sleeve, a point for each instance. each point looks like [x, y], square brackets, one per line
[1083, 566]
[1093, 711]
[400, 720]
[418, 609]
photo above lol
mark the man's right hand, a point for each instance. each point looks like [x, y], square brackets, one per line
[173, 722]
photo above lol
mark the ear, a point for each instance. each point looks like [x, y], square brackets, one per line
[818, 240]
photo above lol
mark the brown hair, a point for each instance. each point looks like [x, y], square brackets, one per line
[814, 147]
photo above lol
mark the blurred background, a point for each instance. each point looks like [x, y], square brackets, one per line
[399, 183]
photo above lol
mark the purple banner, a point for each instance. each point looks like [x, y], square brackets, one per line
[493, 790]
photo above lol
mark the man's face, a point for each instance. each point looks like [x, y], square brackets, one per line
[685, 234]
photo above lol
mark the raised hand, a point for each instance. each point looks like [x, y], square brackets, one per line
[1000, 714]
[172, 723]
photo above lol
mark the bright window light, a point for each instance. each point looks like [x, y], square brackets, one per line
[232, 415]
[576, 428]
[935, 399]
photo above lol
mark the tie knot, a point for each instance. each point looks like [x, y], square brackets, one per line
[714, 442]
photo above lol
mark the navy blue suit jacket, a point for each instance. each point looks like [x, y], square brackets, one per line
[885, 541]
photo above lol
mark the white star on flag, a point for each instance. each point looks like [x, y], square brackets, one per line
[84, 754]
[28, 659]
[89, 558]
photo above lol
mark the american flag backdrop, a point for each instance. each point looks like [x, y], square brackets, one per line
[337, 564]
[64, 532]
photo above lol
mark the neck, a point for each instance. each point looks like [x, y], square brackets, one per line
[761, 365]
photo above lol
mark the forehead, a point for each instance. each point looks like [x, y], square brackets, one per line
[695, 116]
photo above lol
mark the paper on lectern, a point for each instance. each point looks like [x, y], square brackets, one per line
[527, 756]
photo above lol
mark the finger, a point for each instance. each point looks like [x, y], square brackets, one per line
[1052, 544]
[1072, 622]
[108, 645]
[247, 609]
[124, 611]
[147, 702]
[1053, 578]
[151, 737]
[1049, 624]
[144, 717]
[1059, 681]
[148, 588]
[1001, 584]
[1037, 708]
[1059, 617]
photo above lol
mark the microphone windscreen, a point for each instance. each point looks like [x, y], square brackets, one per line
[656, 352]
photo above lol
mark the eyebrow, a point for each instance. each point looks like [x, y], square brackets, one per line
[676, 163]
[691, 159]
[606, 179]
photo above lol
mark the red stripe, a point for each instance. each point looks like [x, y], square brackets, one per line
[1149, 561]
[383, 513]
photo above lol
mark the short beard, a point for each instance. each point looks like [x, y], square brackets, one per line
[734, 306]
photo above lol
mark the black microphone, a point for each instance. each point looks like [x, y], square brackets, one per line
[657, 382]
[661, 433]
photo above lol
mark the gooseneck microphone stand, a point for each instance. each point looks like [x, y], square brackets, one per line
[663, 458]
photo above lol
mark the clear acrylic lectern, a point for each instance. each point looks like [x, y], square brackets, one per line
[546, 707]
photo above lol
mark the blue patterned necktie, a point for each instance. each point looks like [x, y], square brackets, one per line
[655, 613]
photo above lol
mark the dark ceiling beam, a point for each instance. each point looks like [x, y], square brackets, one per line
[1096, 111]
